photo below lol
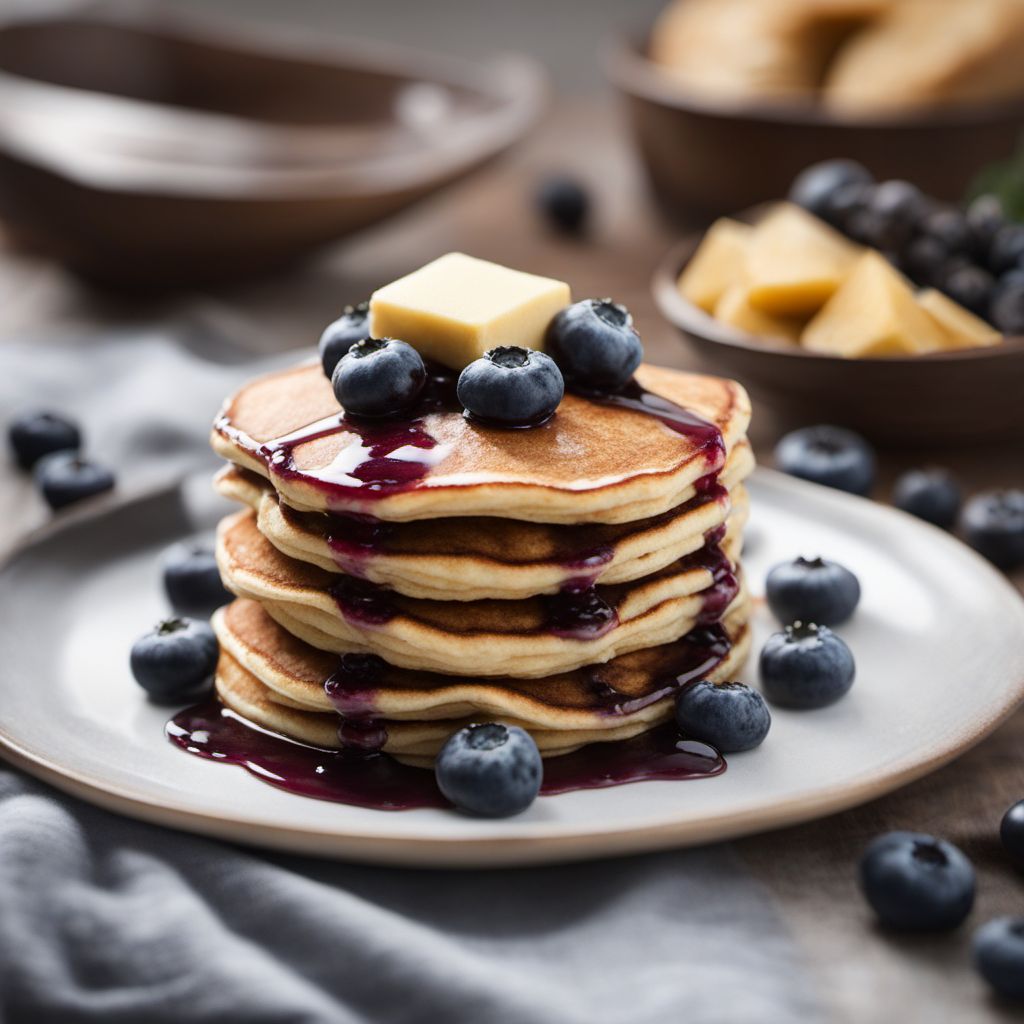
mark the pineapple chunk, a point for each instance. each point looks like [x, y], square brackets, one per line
[795, 262]
[717, 264]
[874, 313]
[962, 328]
[734, 308]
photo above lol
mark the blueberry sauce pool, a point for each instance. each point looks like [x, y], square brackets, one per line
[379, 782]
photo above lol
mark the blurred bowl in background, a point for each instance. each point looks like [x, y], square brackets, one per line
[705, 157]
[142, 148]
[951, 398]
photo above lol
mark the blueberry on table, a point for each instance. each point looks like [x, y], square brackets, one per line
[815, 187]
[730, 716]
[828, 455]
[378, 377]
[511, 387]
[192, 580]
[564, 203]
[36, 434]
[490, 770]
[915, 882]
[1011, 833]
[812, 590]
[66, 477]
[353, 325]
[595, 344]
[175, 661]
[998, 949]
[805, 666]
[930, 494]
[993, 524]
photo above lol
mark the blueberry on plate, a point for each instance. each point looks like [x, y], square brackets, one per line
[511, 387]
[192, 580]
[564, 203]
[730, 716]
[815, 187]
[915, 882]
[378, 377]
[1007, 309]
[595, 344]
[66, 477]
[490, 770]
[36, 434]
[972, 287]
[930, 494]
[993, 523]
[924, 258]
[353, 325]
[848, 202]
[948, 226]
[1011, 833]
[896, 209]
[828, 455]
[985, 217]
[805, 666]
[812, 590]
[998, 950]
[175, 660]
[1007, 249]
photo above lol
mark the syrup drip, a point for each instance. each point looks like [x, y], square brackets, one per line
[579, 613]
[375, 780]
[363, 603]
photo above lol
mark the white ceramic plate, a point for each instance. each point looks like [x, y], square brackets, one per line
[937, 640]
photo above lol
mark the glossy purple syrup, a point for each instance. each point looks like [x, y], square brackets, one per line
[579, 613]
[355, 539]
[363, 603]
[377, 781]
[353, 684]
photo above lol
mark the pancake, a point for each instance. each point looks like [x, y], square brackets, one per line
[533, 637]
[476, 558]
[593, 461]
[614, 702]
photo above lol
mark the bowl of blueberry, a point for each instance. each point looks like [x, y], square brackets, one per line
[864, 303]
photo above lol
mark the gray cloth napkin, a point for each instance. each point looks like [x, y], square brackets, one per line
[105, 919]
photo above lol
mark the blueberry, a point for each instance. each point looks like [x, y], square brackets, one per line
[925, 257]
[993, 523]
[378, 377]
[895, 210]
[805, 666]
[192, 579]
[915, 882]
[176, 660]
[511, 387]
[67, 477]
[948, 226]
[812, 590]
[490, 770]
[595, 344]
[929, 494]
[1007, 250]
[985, 217]
[845, 204]
[1011, 833]
[998, 949]
[38, 433]
[564, 203]
[815, 187]
[828, 455]
[353, 325]
[971, 286]
[1007, 311]
[729, 716]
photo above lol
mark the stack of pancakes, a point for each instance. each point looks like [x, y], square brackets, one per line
[567, 578]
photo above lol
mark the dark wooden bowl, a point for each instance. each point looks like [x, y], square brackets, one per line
[144, 148]
[963, 397]
[705, 157]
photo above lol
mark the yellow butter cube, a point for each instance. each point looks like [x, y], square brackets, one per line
[717, 264]
[456, 308]
[963, 329]
[874, 313]
[795, 262]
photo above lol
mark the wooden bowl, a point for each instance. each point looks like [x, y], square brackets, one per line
[949, 398]
[144, 148]
[705, 157]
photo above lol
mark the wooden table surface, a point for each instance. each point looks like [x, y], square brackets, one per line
[810, 869]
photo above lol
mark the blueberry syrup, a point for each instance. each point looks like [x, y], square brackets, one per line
[354, 540]
[377, 781]
[363, 603]
[579, 614]
[353, 684]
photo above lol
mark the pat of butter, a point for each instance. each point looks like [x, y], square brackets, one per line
[454, 309]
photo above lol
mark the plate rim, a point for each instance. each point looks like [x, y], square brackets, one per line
[574, 844]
